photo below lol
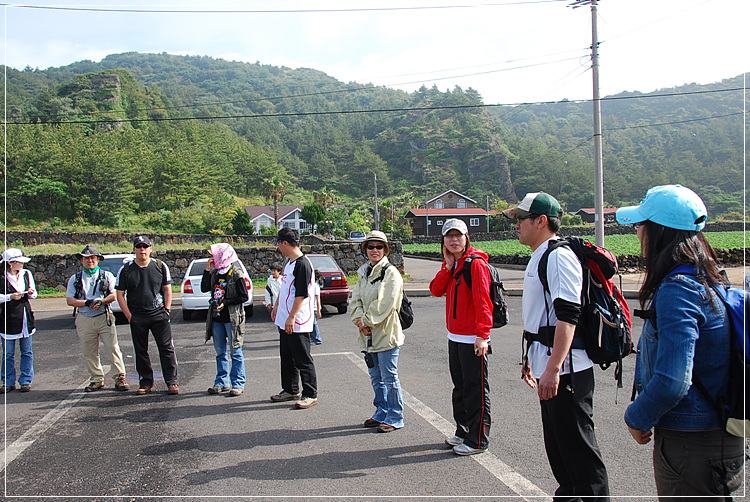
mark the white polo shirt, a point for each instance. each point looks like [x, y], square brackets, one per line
[565, 279]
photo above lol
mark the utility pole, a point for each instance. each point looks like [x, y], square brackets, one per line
[426, 215]
[598, 160]
[377, 215]
[488, 214]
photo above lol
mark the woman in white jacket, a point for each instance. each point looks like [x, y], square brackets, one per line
[375, 302]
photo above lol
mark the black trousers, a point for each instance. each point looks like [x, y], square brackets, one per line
[162, 333]
[471, 394]
[570, 441]
[297, 364]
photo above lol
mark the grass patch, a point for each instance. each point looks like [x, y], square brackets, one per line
[618, 244]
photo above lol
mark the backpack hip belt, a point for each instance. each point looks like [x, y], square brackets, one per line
[546, 337]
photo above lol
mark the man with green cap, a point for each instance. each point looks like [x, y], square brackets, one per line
[554, 364]
[91, 291]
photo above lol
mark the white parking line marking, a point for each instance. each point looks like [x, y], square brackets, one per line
[12, 451]
[494, 465]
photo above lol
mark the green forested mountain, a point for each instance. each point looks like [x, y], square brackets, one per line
[178, 142]
[647, 141]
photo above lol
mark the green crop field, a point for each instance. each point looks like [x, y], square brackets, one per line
[618, 244]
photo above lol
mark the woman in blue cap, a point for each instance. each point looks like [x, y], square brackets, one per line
[693, 454]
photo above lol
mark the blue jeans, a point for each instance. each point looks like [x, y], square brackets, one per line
[223, 339]
[389, 403]
[9, 362]
[315, 335]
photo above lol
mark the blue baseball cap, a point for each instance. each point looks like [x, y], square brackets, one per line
[673, 206]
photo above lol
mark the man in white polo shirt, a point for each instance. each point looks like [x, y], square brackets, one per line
[550, 319]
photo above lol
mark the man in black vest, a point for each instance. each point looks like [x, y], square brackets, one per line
[149, 297]
[91, 291]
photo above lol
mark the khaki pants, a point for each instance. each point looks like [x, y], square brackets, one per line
[90, 330]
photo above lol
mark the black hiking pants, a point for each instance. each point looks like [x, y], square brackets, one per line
[570, 441]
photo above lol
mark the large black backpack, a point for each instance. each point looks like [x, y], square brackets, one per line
[604, 325]
[500, 316]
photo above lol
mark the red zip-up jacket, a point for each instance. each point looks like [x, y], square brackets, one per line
[467, 312]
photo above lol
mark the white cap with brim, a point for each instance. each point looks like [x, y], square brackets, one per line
[455, 224]
[673, 206]
[15, 254]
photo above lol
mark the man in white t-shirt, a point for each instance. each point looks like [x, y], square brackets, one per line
[293, 314]
[550, 320]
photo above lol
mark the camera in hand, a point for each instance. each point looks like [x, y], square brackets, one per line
[369, 361]
[214, 305]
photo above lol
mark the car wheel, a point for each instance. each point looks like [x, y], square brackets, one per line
[249, 311]
[186, 314]
[342, 308]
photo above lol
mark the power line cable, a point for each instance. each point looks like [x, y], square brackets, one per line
[274, 11]
[352, 112]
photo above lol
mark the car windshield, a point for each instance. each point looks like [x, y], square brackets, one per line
[357, 234]
[324, 263]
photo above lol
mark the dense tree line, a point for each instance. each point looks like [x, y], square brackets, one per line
[180, 142]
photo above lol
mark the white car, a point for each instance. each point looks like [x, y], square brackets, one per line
[193, 300]
[113, 263]
[357, 236]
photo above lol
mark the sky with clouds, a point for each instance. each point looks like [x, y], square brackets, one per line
[511, 51]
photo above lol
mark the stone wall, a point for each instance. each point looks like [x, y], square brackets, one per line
[54, 270]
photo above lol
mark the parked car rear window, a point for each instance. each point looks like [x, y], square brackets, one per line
[198, 268]
[324, 264]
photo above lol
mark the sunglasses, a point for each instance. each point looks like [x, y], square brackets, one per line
[375, 247]
[142, 246]
[527, 217]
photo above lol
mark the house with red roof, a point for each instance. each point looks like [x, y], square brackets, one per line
[447, 205]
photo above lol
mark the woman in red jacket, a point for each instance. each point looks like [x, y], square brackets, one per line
[468, 315]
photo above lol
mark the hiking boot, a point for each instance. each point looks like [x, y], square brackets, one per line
[306, 402]
[93, 386]
[121, 384]
[7, 388]
[215, 389]
[25, 387]
[173, 389]
[144, 389]
[285, 396]
[464, 449]
[236, 391]
[454, 441]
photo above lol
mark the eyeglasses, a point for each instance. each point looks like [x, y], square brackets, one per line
[142, 246]
[375, 247]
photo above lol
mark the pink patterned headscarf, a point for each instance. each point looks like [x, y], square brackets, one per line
[224, 255]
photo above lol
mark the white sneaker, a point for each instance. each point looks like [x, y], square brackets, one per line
[306, 402]
[463, 449]
[454, 441]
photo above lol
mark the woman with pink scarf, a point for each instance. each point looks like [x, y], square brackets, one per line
[225, 321]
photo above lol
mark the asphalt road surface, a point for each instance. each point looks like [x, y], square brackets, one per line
[60, 441]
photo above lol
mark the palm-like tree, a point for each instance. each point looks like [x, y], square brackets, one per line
[274, 189]
[325, 198]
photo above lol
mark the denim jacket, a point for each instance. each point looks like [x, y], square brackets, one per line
[693, 336]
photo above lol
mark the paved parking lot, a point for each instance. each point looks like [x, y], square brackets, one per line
[60, 441]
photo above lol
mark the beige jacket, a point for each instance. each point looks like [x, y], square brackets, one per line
[377, 305]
